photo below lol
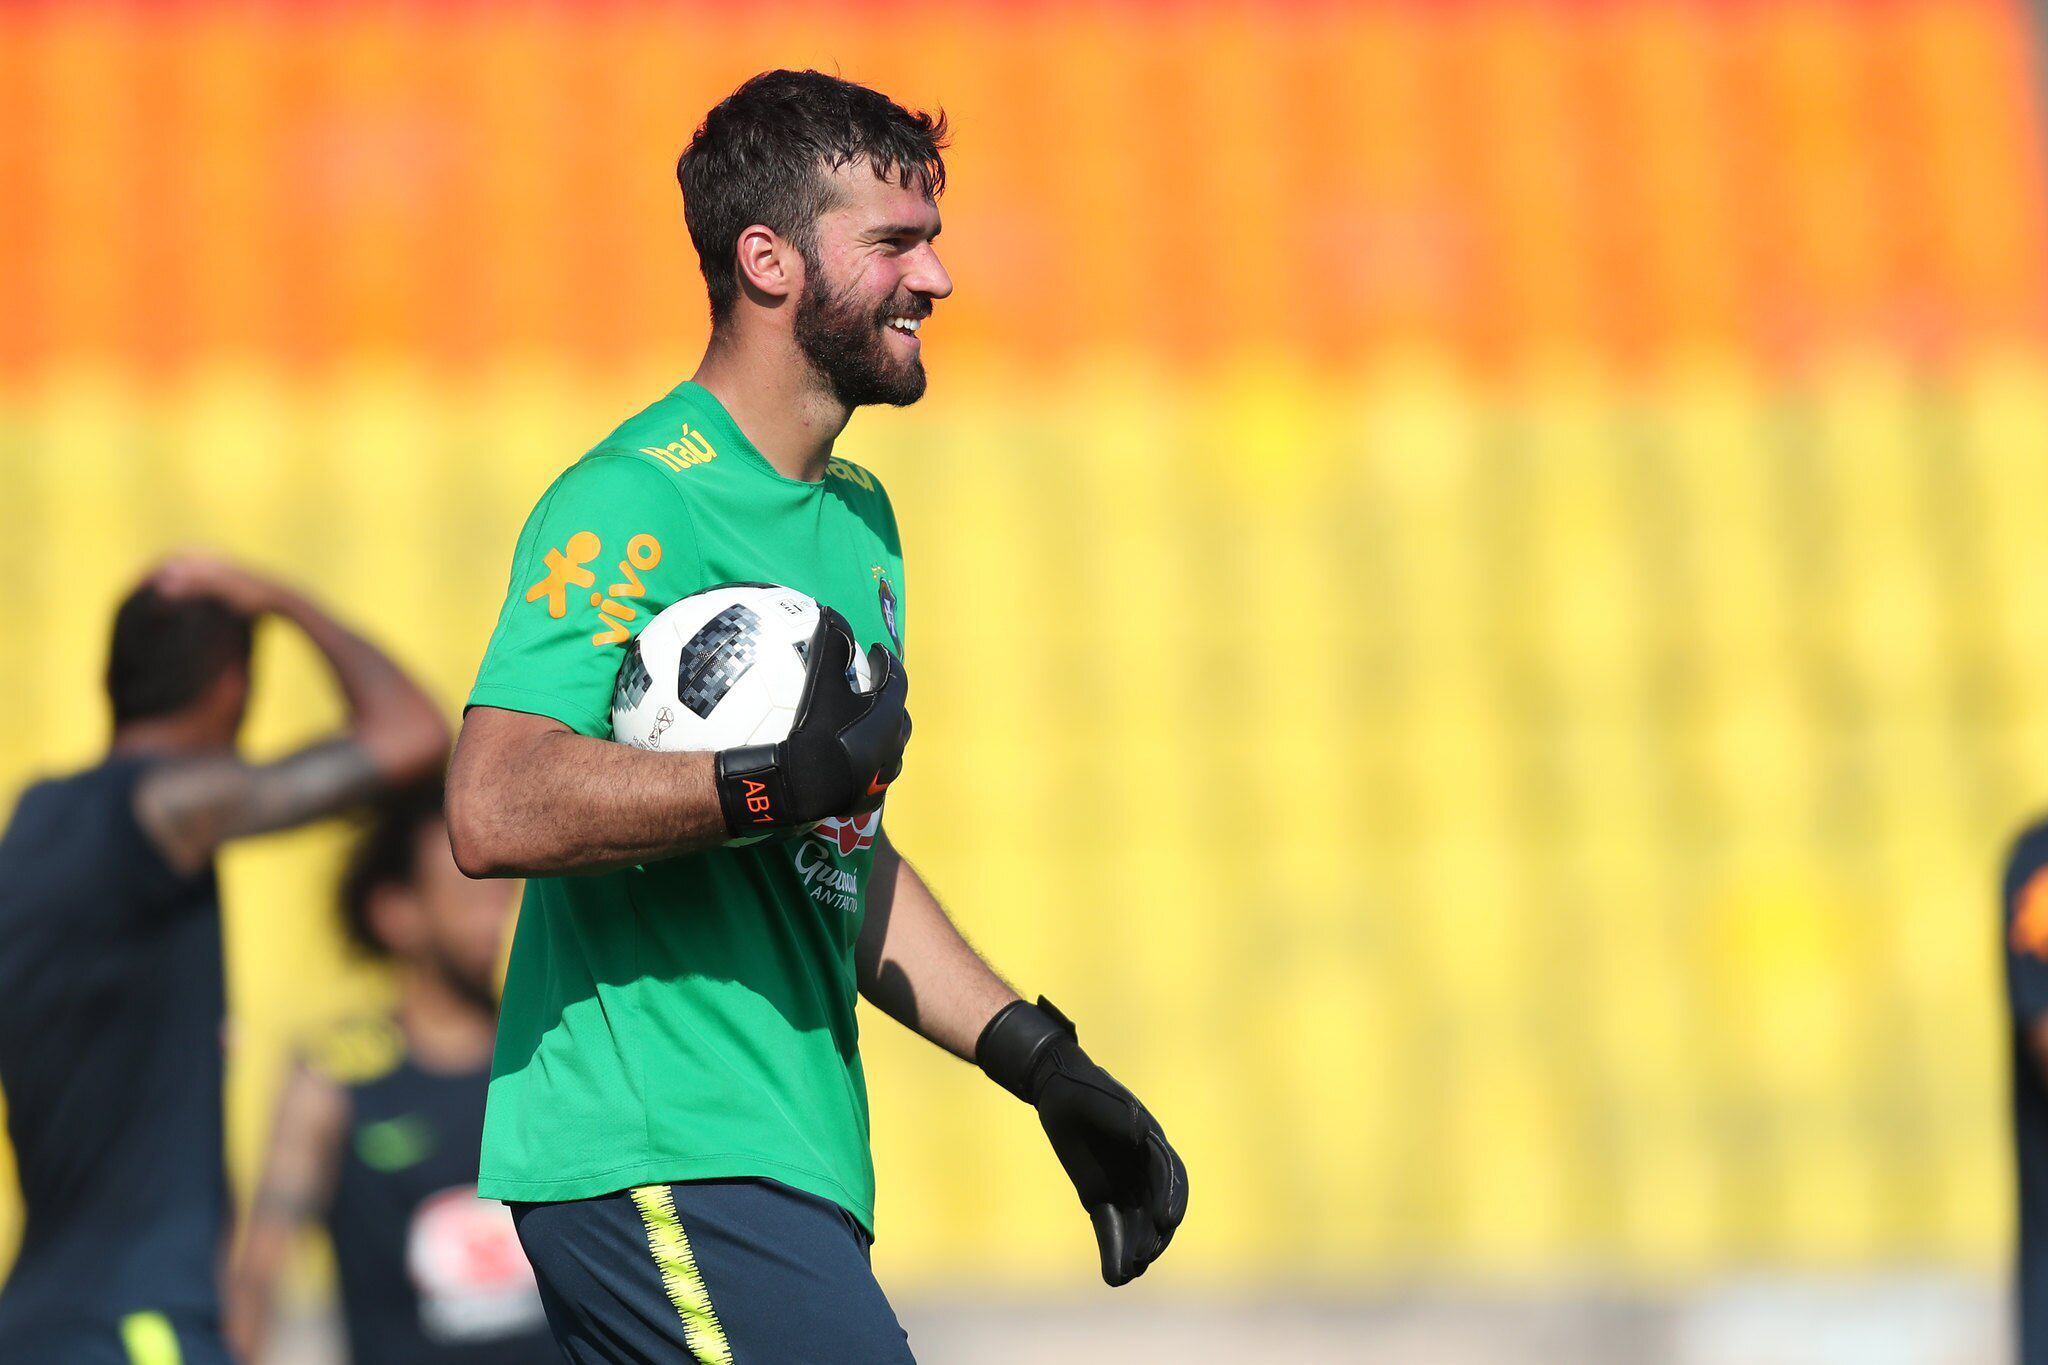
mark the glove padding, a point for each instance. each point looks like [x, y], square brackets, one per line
[1130, 1180]
[843, 750]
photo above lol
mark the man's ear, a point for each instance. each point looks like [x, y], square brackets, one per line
[770, 266]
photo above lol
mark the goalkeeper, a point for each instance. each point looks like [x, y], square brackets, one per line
[677, 1113]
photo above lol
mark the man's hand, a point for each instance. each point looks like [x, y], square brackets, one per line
[202, 575]
[1130, 1180]
[842, 753]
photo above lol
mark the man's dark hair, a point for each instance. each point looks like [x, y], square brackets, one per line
[167, 651]
[763, 152]
[386, 853]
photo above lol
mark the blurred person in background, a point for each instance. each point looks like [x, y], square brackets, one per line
[2026, 980]
[678, 1113]
[112, 998]
[378, 1127]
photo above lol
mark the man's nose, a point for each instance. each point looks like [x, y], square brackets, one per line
[928, 277]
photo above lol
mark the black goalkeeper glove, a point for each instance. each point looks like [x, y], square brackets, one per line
[842, 753]
[1131, 1182]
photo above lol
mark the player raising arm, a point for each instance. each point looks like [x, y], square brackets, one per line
[111, 996]
[394, 735]
[677, 1113]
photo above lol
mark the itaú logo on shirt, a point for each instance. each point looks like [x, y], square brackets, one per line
[849, 834]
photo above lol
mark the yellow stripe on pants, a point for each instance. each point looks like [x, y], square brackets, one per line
[702, 1332]
[150, 1340]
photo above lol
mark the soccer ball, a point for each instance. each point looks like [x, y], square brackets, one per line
[719, 669]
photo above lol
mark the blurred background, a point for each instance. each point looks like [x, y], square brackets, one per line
[1476, 581]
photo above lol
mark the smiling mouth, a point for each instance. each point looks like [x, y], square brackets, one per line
[907, 326]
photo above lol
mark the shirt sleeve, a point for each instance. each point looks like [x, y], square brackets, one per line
[607, 547]
[2026, 927]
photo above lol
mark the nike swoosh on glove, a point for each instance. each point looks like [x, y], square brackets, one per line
[843, 749]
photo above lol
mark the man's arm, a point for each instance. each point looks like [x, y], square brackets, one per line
[914, 966]
[395, 733]
[529, 797]
[296, 1185]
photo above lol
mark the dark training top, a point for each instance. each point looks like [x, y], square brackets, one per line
[430, 1274]
[2026, 975]
[111, 1010]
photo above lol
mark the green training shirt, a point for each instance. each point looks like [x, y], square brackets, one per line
[693, 1018]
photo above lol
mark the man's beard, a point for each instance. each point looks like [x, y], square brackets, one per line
[842, 338]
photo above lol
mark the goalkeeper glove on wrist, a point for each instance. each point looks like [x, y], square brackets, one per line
[1130, 1180]
[843, 750]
